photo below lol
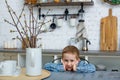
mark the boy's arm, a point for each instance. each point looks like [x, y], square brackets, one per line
[85, 67]
[54, 67]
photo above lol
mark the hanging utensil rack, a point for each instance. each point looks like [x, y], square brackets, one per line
[66, 13]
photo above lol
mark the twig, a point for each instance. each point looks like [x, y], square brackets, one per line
[15, 24]
[9, 22]
[30, 30]
[18, 18]
[26, 27]
[42, 23]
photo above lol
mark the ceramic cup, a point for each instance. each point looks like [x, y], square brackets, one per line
[60, 22]
[8, 67]
[72, 22]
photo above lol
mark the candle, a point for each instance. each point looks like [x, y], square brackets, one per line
[5, 44]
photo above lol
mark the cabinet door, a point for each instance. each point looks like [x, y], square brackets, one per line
[111, 63]
[1, 57]
[9, 56]
[46, 59]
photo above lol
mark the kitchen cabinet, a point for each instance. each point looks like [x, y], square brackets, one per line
[107, 58]
[7, 56]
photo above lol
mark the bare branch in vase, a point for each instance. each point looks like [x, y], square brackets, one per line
[29, 30]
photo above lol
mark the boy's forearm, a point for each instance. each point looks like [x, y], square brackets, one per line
[87, 68]
[54, 67]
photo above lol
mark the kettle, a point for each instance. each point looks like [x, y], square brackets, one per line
[85, 42]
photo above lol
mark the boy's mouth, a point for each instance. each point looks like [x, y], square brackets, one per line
[69, 68]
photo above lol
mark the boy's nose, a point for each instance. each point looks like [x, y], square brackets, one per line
[69, 63]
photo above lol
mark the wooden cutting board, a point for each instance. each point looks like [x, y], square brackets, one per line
[108, 33]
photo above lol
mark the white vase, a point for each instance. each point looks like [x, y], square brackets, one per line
[33, 61]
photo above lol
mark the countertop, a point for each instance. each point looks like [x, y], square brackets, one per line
[58, 52]
[98, 75]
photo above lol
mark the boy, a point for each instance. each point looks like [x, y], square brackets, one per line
[70, 62]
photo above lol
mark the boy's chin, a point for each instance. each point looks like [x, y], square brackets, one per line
[69, 69]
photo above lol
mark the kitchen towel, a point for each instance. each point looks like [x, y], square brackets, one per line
[81, 30]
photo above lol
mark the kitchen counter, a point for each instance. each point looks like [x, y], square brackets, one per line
[107, 58]
[98, 75]
[52, 52]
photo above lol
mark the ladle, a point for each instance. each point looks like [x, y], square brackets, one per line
[53, 25]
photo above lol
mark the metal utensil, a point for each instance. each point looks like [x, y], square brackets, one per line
[53, 25]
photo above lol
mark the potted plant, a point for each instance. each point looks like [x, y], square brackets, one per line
[28, 31]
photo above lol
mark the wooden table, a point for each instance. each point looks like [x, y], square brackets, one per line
[23, 76]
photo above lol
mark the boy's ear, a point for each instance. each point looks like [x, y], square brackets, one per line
[77, 62]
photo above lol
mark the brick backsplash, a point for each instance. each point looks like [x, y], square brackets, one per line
[59, 38]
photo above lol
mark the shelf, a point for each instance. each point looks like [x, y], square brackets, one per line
[52, 52]
[64, 4]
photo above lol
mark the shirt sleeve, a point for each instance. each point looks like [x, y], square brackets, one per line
[85, 67]
[54, 67]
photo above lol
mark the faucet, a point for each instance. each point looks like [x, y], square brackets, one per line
[85, 44]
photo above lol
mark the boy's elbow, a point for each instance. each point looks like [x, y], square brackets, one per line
[92, 68]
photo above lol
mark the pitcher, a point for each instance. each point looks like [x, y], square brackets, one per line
[33, 61]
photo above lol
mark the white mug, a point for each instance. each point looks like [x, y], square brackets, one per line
[8, 67]
[72, 22]
[60, 22]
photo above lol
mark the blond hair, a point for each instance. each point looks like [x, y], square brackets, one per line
[71, 50]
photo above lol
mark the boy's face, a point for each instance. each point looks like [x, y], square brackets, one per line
[69, 60]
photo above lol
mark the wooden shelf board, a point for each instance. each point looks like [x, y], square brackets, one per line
[64, 4]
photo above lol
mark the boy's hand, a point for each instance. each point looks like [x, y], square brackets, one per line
[74, 67]
[64, 67]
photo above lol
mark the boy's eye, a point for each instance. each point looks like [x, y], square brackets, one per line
[71, 60]
[66, 60]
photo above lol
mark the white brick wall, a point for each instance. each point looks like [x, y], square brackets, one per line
[60, 37]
